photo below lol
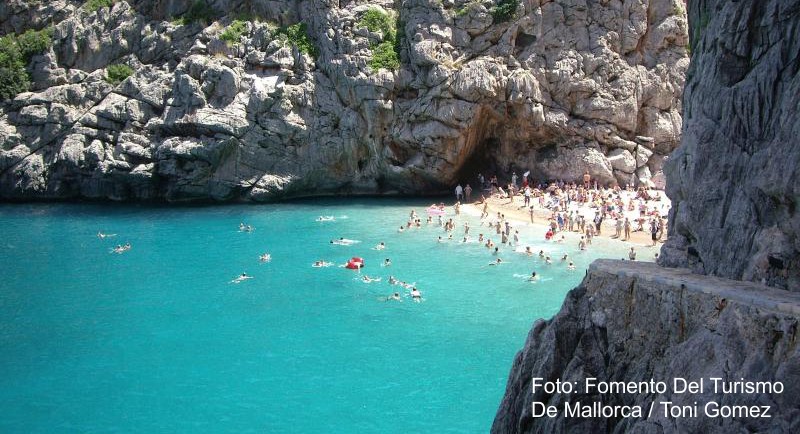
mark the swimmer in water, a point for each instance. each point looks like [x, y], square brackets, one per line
[416, 295]
[387, 262]
[241, 278]
[496, 262]
[534, 277]
[395, 297]
[392, 280]
[528, 251]
[541, 253]
[440, 239]
[380, 246]
[266, 257]
[102, 235]
[565, 257]
[496, 251]
[571, 266]
[401, 229]
[547, 260]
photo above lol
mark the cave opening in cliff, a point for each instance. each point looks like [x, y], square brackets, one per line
[482, 160]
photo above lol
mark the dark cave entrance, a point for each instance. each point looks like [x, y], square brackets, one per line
[482, 160]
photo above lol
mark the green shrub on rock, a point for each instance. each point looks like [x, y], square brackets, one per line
[16, 51]
[199, 11]
[504, 10]
[376, 21]
[385, 54]
[234, 32]
[118, 72]
[95, 5]
[297, 35]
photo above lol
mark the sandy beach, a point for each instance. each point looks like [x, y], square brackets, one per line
[515, 211]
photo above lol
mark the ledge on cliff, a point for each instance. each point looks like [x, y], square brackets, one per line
[631, 321]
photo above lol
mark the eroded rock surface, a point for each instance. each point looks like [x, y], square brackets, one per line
[734, 180]
[633, 322]
[566, 86]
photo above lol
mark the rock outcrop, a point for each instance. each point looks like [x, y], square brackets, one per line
[734, 180]
[734, 186]
[637, 322]
[562, 87]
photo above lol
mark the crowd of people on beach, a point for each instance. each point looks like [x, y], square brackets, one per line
[583, 207]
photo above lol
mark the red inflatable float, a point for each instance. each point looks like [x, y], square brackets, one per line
[355, 263]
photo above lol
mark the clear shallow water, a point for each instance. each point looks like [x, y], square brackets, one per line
[158, 340]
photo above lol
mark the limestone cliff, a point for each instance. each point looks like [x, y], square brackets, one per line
[734, 186]
[557, 87]
[734, 180]
[632, 321]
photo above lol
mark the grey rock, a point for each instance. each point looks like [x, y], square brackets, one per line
[563, 80]
[633, 321]
[741, 126]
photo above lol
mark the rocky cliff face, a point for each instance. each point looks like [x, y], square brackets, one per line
[734, 180]
[734, 186]
[561, 87]
[631, 322]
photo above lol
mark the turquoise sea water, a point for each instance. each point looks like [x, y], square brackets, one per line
[157, 339]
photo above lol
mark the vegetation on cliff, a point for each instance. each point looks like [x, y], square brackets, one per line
[16, 52]
[297, 35]
[504, 10]
[199, 11]
[95, 5]
[116, 73]
[385, 55]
